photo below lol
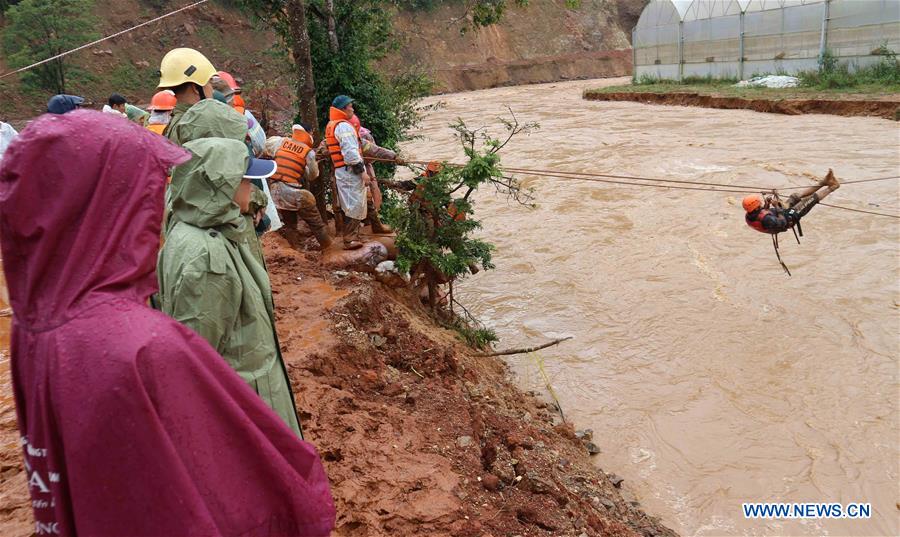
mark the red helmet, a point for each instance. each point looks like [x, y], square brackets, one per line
[355, 122]
[752, 202]
[163, 100]
[228, 80]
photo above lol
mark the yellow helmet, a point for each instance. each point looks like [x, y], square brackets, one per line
[182, 65]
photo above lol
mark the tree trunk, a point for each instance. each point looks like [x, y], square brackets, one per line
[300, 50]
[333, 43]
[431, 280]
[60, 76]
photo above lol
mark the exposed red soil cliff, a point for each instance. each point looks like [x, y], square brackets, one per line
[419, 437]
[887, 109]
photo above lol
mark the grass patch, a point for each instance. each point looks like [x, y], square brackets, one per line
[477, 338]
[129, 79]
[471, 330]
[833, 80]
[834, 75]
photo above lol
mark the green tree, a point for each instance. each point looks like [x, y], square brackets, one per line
[40, 29]
[434, 228]
[348, 38]
[4, 4]
[334, 45]
[288, 18]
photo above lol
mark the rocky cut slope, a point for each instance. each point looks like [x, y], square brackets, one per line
[539, 43]
[543, 42]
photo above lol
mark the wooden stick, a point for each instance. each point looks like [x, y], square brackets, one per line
[525, 350]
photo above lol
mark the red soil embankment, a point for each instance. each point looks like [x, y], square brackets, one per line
[418, 436]
[886, 109]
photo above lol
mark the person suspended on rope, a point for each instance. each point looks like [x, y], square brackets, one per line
[768, 214]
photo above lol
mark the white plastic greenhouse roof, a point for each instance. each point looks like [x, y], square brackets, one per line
[662, 12]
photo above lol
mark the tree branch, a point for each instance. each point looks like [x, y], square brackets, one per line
[525, 350]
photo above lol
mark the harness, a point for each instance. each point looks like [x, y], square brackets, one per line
[798, 231]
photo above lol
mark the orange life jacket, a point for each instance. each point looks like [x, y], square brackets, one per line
[755, 220]
[336, 117]
[238, 103]
[158, 129]
[291, 158]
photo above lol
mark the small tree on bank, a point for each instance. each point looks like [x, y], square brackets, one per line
[40, 29]
[434, 229]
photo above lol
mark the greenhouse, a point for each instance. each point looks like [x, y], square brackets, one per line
[676, 39]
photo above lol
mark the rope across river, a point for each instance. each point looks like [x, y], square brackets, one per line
[676, 184]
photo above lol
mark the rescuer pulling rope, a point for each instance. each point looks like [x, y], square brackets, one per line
[767, 213]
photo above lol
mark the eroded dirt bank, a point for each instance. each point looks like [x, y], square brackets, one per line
[418, 436]
[887, 109]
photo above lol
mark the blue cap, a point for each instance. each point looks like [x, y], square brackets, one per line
[60, 104]
[341, 101]
[260, 168]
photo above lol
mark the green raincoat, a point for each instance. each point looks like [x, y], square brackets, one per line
[206, 119]
[258, 200]
[211, 280]
[212, 119]
[138, 115]
[177, 113]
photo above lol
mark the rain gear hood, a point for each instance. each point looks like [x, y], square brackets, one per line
[130, 423]
[212, 276]
[203, 189]
[208, 119]
[212, 119]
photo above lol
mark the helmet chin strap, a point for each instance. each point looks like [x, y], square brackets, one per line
[200, 91]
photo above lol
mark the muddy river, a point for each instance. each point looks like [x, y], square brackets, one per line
[709, 377]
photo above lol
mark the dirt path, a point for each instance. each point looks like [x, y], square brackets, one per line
[887, 109]
[418, 437]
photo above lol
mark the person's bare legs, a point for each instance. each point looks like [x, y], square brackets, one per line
[830, 183]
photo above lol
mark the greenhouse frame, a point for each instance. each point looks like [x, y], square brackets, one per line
[676, 39]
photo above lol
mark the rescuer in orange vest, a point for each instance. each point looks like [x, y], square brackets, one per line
[767, 215]
[161, 106]
[345, 149]
[297, 168]
[372, 151]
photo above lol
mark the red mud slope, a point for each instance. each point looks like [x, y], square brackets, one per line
[418, 436]
[885, 109]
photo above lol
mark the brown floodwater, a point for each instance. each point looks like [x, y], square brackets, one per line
[709, 377]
